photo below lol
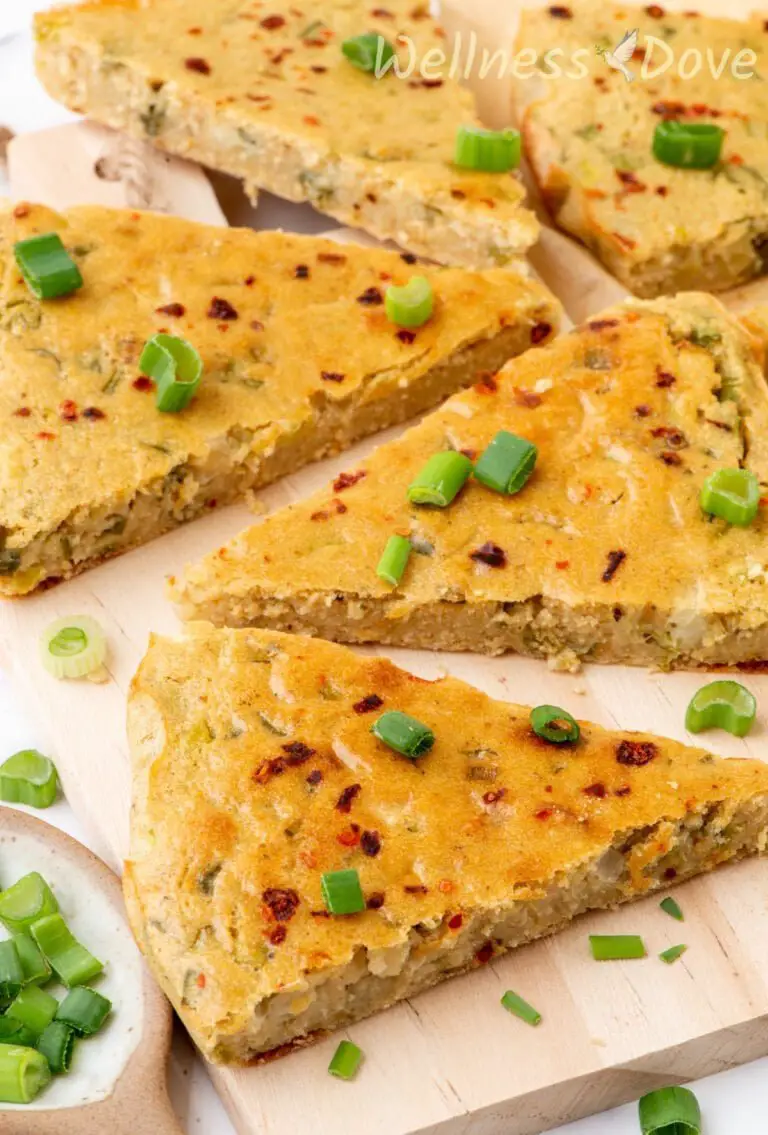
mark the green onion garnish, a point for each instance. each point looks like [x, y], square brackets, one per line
[23, 1074]
[733, 495]
[346, 1060]
[35, 967]
[520, 1008]
[70, 961]
[26, 901]
[11, 973]
[722, 705]
[439, 481]
[84, 1010]
[394, 559]
[47, 267]
[672, 954]
[672, 908]
[73, 647]
[176, 367]
[370, 52]
[616, 947]
[507, 463]
[13, 1032]
[403, 733]
[494, 151]
[690, 145]
[342, 893]
[554, 724]
[670, 1111]
[411, 305]
[56, 1044]
[33, 1008]
[28, 778]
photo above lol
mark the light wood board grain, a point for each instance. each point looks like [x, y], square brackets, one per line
[452, 1062]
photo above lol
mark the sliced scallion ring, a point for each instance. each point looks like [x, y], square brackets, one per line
[671, 907]
[47, 267]
[84, 1010]
[506, 463]
[674, 1110]
[73, 647]
[69, 960]
[733, 495]
[342, 893]
[176, 367]
[56, 1044]
[346, 1060]
[616, 947]
[494, 151]
[412, 304]
[723, 704]
[27, 900]
[24, 1073]
[394, 559]
[672, 954]
[440, 480]
[28, 778]
[555, 725]
[515, 1004]
[688, 145]
[403, 733]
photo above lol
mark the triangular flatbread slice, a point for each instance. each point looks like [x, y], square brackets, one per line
[605, 555]
[265, 93]
[256, 772]
[299, 356]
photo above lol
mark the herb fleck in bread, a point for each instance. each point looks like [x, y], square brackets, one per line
[255, 771]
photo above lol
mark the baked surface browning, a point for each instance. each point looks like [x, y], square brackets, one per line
[255, 771]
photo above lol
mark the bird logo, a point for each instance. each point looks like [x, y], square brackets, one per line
[621, 54]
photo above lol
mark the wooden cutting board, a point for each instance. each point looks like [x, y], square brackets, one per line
[452, 1062]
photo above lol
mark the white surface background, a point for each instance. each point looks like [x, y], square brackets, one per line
[734, 1103]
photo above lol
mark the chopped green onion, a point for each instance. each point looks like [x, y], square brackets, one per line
[394, 560]
[411, 305]
[616, 947]
[403, 733]
[84, 1010]
[672, 954]
[28, 778]
[73, 647]
[23, 1074]
[723, 704]
[554, 724]
[670, 1111]
[494, 151]
[370, 52]
[176, 367]
[13, 1032]
[672, 908]
[520, 1008]
[11, 973]
[733, 495]
[346, 1060]
[34, 1008]
[56, 1044]
[507, 463]
[342, 893]
[47, 267]
[439, 481]
[27, 900]
[35, 967]
[689, 145]
[70, 961]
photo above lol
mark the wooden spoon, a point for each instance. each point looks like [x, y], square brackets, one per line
[117, 1082]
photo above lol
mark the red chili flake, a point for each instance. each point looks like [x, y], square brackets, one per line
[301, 272]
[22, 412]
[670, 873]
[455, 922]
[375, 901]
[249, 281]
[344, 802]
[256, 325]
[45, 435]
[174, 309]
[495, 796]
[630, 181]
[272, 22]
[664, 379]
[370, 844]
[371, 197]
[315, 776]
[676, 438]
[298, 753]
[381, 13]
[636, 753]
[624, 790]
[332, 376]
[626, 241]
[527, 398]
[282, 902]
[618, 614]
[408, 257]
[543, 813]
[368, 704]
[21, 211]
[68, 410]
[143, 383]
[405, 336]
[278, 935]
[736, 160]
[484, 954]
[459, 194]
[601, 324]
[415, 889]
[487, 384]
[370, 297]
[662, 190]
[643, 411]
[702, 110]
[671, 458]
[331, 257]
[596, 789]
[655, 11]
[540, 332]
[221, 309]
[201, 66]
[194, 31]
[558, 12]
[615, 560]
[319, 70]
[349, 838]
[346, 480]
[490, 554]
[562, 565]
